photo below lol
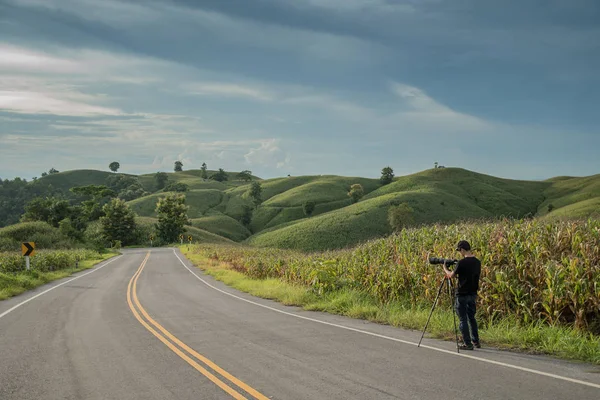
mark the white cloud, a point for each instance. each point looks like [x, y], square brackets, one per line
[268, 154]
[40, 103]
[228, 90]
[422, 112]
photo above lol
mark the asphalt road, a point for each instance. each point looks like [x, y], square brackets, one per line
[148, 325]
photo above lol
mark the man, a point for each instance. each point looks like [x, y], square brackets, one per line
[468, 271]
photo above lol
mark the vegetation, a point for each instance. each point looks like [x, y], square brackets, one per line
[160, 180]
[308, 207]
[562, 341]
[220, 176]
[255, 193]
[245, 176]
[387, 175]
[114, 166]
[46, 266]
[118, 223]
[178, 166]
[204, 174]
[172, 217]
[356, 192]
[401, 216]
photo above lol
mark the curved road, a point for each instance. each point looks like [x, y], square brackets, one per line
[148, 325]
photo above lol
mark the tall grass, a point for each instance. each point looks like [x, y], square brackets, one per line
[534, 271]
[46, 266]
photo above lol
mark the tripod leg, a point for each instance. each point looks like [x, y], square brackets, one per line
[451, 291]
[432, 307]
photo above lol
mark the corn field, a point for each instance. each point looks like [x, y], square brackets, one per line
[532, 270]
[45, 260]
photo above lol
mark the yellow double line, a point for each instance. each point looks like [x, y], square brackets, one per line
[172, 342]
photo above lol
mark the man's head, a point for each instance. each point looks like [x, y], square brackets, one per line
[463, 247]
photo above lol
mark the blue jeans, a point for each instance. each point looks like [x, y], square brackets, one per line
[465, 308]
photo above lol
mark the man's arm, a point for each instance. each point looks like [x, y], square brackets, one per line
[449, 274]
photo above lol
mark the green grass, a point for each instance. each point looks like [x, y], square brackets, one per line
[363, 221]
[572, 197]
[199, 202]
[535, 338]
[199, 235]
[223, 225]
[12, 284]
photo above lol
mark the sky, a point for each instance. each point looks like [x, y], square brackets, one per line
[304, 87]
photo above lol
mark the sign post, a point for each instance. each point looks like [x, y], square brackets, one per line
[151, 239]
[181, 237]
[27, 249]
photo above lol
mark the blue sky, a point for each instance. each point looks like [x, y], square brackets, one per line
[508, 88]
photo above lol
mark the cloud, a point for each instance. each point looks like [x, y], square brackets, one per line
[227, 90]
[422, 111]
[40, 103]
[268, 154]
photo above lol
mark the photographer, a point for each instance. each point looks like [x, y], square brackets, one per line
[468, 271]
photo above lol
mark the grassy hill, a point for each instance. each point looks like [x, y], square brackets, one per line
[82, 177]
[436, 195]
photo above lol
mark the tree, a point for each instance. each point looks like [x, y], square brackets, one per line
[114, 166]
[246, 216]
[178, 166]
[172, 217]
[44, 174]
[387, 175]
[550, 207]
[52, 171]
[245, 175]
[255, 193]
[204, 174]
[219, 176]
[435, 165]
[160, 180]
[308, 207]
[177, 187]
[356, 192]
[97, 196]
[118, 222]
[48, 209]
[400, 216]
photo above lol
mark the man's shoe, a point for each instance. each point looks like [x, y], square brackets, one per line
[466, 347]
[477, 344]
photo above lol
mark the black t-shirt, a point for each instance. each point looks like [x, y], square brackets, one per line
[468, 271]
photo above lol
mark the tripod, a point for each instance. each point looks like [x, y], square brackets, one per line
[451, 294]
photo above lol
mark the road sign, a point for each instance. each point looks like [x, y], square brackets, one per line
[151, 237]
[190, 238]
[181, 236]
[28, 249]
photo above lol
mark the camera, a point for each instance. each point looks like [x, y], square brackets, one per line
[438, 260]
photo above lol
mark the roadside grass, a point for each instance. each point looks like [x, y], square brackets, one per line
[12, 284]
[506, 334]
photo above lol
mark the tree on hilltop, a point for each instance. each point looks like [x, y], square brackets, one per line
[114, 166]
[245, 175]
[204, 174]
[178, 166]
[387, 175]
[219, 176]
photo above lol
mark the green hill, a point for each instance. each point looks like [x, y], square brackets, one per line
[435, 195]
[82, 177]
